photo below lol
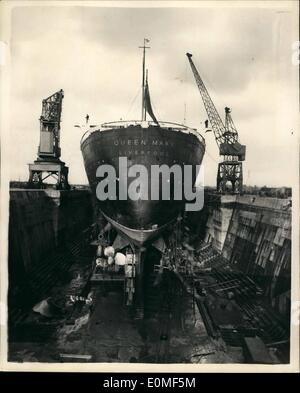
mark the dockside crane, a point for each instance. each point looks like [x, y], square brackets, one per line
[48, 163]
[230, 169]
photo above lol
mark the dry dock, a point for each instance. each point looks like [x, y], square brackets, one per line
[227, 303]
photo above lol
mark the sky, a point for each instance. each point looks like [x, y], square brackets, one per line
[244, 55]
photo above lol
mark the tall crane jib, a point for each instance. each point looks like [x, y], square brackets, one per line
[230, 171]
[50, 126]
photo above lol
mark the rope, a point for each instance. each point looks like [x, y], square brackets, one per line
[211, 157]
[132, 103]
[185, 93]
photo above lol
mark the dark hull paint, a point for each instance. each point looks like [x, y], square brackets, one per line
[144, 146]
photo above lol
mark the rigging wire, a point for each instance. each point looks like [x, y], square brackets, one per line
[132, 102]
[211, 157]
[185, 93]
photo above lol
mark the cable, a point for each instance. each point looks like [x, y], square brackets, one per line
[209, 155]
[186, 90]
[132, 102]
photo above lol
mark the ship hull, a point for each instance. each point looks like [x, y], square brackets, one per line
[140, 220]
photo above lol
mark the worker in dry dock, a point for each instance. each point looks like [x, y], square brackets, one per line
[101, 265]
[90, 301]
[129, 275]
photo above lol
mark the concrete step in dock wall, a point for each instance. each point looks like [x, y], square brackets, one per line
[252, 233]
[41, 222]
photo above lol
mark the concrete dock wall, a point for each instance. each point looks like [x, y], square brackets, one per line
[41, 220]
[254, 234]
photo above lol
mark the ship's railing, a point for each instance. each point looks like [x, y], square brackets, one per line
[144, 124]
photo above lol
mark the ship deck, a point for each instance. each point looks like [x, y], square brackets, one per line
[123, 124]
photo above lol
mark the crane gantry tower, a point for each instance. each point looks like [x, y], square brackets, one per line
[48, 163]
[230, 168]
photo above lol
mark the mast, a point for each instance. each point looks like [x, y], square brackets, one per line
[144, 47]
[146, 83]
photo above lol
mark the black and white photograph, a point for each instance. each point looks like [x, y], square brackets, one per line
[150, 185]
